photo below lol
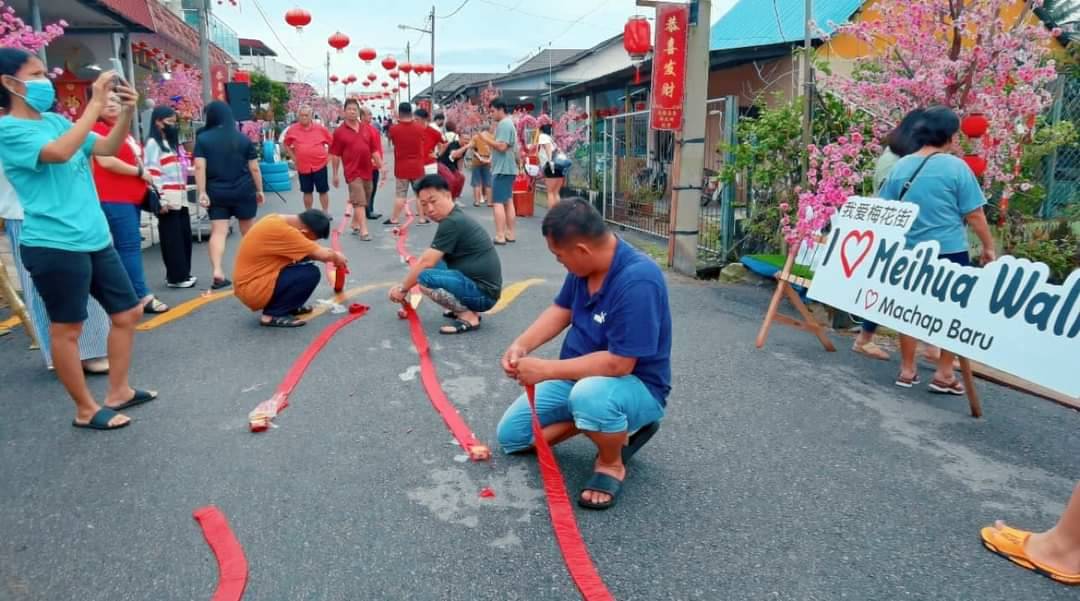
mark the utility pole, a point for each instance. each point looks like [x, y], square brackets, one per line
[433, 61]
[328, 75]
[408, 76]
[35, 23]
[808, 87]
[204, 50]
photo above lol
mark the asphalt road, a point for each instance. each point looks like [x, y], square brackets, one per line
[783, 473]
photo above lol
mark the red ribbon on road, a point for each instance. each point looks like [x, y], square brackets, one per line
[336, 276]
[232, 565]
[259, 420]
[576, 555]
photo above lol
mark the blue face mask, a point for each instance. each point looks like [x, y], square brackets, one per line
[40, 94]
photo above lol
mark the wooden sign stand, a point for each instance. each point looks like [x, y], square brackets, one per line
[785, 280]
[7, 290]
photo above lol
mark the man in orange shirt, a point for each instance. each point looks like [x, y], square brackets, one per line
[273, 269]
[308, 143]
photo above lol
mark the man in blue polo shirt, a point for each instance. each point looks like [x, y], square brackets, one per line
[613, 375]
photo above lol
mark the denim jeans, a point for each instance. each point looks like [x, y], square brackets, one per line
[453, 290]
[293, 288]
[594, 404]
[123, 221]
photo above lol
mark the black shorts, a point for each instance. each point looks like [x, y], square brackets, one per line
[553, 172]
[224, 207]
[316, 180]
[66, 279]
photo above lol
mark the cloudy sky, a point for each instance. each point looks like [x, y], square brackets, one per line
[481, 36]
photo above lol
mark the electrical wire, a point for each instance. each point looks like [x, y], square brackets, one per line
[528, 14]
[276, 36]
[456, 11]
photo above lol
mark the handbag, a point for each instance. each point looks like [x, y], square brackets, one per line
[151, 202]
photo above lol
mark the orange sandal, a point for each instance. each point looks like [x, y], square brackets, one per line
[1009, 543]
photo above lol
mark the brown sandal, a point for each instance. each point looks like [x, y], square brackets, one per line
[903, 382]
[954, 388]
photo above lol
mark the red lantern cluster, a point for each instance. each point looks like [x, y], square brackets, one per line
[367, 55]
[339, 41]
[637, 38]
[390, 62]
[298, 18]
[975, 126]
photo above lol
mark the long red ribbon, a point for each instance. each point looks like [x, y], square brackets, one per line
[575, 554]
[232, 565]
[280, 400]
[428, 376]
[335, 276]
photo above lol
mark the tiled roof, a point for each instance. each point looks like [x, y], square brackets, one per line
[456, 81]
[261, 48]
[753, 23]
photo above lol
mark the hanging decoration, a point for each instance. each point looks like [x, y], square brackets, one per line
[338, 41]
[298, 18]
[372, 77]
[333, 79]
[366, 83]
[403, 67]
[385, 84]
[367, 55]
[394, 74]
[389, 62]
[637, 41]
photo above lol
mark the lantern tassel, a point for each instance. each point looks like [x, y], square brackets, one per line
[637, 74]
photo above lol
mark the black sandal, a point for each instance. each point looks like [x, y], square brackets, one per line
[219, 284]
[638, 440]
[302, 310]
[604, 483]
[282, 322]
[459, 327]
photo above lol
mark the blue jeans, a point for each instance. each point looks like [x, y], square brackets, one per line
[453, 290]
[594, 404]
[123, 221]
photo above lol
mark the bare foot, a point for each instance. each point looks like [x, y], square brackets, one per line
[617, 471]
[1045, 549]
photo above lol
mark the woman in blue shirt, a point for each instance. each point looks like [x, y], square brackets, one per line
[65, 242]
[949, 199]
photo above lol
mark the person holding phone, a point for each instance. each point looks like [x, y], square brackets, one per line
[65, 243]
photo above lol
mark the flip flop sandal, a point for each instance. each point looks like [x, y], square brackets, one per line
[282, 322]
[638, 440]
[1009, 543]
[497, 243]
[601, 483]
[366, 238]
[903, 382]
[511, 240]
[140, 397]
[954, 388]
[302, 310]
[460, 327]
[871, 350]
[219, 284]
[154, 306]
[101, 420]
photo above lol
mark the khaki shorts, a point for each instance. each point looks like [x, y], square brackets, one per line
[359, 192]
[402, 187]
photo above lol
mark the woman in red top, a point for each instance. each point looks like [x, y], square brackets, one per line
[121, 184]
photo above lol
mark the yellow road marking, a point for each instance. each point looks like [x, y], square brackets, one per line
[511, 292]
[344, 296]
[10, 323]
[182, 310]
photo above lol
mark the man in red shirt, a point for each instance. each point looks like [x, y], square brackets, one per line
[308, 143]
[433, 142]
[376, 136]
[407, 136]
[353, 145]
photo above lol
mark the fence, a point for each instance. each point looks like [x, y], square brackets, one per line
[634, 168]
[1062, 168]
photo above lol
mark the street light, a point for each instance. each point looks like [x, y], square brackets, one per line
[430, 32]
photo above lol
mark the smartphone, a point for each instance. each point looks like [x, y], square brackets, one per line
[119, 79]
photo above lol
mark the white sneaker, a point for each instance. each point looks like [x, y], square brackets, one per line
[188, 283]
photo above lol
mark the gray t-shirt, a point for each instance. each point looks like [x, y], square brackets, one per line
[467, 247]
[505, 163]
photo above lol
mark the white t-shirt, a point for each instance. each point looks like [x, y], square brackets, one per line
[10, 207]
[545, 148]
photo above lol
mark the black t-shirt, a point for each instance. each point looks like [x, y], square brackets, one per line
[467, 247]
[444, 158]
[227, 152]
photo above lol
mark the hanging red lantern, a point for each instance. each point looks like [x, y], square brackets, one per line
[394, 74]
[974, 125]
[403, 85]
[637, 38]
[339, 41]
[372, 77]
[333, 79]
[385, 84]
[976, 163]
[367, 55]
[366, 83]
[389, 62]
[403, 67]
[298, 18]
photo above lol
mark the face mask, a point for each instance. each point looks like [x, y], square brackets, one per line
[170, 130]
[40, 94]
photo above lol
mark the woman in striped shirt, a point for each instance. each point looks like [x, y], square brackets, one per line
[170, 178]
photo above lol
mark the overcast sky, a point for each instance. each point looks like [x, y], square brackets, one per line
[483, 36]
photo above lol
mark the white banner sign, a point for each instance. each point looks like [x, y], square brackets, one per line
[1005, 314]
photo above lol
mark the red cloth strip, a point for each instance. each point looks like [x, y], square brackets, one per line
[232, 565]
[334, 276]
[572, 546]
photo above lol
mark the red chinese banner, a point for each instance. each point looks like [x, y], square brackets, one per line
[219, 76]
[669, 66]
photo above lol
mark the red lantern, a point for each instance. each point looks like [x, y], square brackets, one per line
[637, 38]
[298, 18]
[394, 74]
[366, 83]
[338, 41]
[333, 79]
[976, 163]
[384, 84]
[389, 62]
[403, 85]
[974, 125]
[372, 77]
[404, 67]
[367, 54]
[352, 79]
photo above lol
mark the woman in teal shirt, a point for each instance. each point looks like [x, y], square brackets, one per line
[65, 243]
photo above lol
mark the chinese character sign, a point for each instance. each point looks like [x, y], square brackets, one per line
[669, 66]
[1004, 314]
[219, 76]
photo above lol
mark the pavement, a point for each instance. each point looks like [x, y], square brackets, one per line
[781, 473]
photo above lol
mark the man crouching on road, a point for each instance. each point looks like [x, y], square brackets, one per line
[461, 271]
[273, 270]
[613, 374]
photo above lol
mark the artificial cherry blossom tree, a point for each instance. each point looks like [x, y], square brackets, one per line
[181, 89]
[15, 33]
